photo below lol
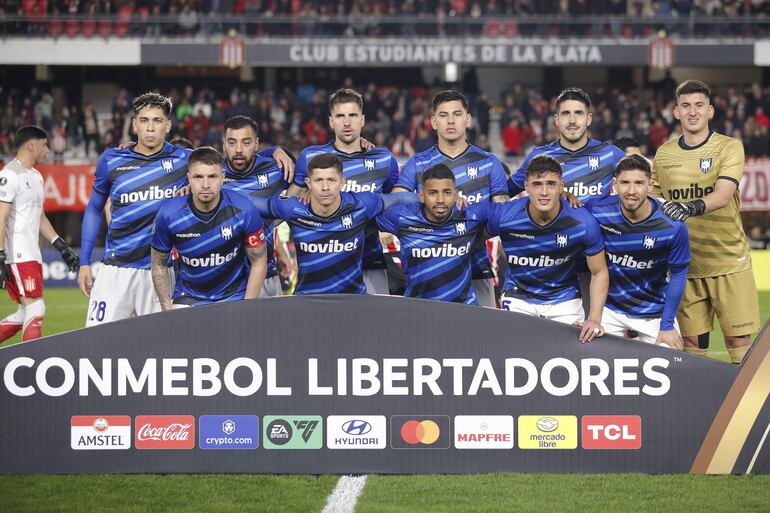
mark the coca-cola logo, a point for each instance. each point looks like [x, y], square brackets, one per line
[165, 432]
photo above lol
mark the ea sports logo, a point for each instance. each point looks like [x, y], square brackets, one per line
[425, 432]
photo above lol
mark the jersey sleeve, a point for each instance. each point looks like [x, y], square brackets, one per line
[481, 210]
[388, 220]
[102, 181]
[300, 171]
[617, 154]
[9, 185]
[279, 206]
[161, 234]
[516, 181]
[497, 181]
[408, 177]
[392, 178]
[593, 241]
[732, 160]
[372, 202]
[680, 247]
[656, 191]
[254, 228]
[494, 213]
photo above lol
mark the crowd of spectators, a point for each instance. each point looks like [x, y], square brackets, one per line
[397, 118]
[627, 18]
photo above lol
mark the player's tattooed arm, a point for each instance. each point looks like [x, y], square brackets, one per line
[258, 260]
[160, 278]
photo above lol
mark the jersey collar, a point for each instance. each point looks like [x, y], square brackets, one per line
[685, 147]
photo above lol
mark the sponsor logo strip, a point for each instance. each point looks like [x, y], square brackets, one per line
[356, 432]
[548, 432]
[164, 432]
[228, 432]
[483, 432]
[611, 432]
[292, 432]
[420, 432]
[95, 433]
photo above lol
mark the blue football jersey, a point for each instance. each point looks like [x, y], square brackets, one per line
[639, 256]
[436, 257]
[212, 253]
[263, 180]
[329, 249]
[479, 176]
[373, 170]
[587, 172]
[137, 185]
[541, 259]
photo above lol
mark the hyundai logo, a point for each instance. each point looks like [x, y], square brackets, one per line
[356, 427]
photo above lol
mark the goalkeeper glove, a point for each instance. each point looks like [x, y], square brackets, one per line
[69, 256]
[682, 211]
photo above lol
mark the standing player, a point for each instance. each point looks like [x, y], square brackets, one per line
[214, 231]
[643, 245]
[587, 164]
[257, 176]
[136, 179]
[479, 175]
[543, 237]
[21, 221]
[436, 239]
[365, 170]
[328, 232]
[698, 174]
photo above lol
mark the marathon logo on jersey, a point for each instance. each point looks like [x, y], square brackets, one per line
[347, 221]
[627, 260]
[536, 260]
[332, 246]
[446, 250]
[369, 164]
[705, 165]
[190, 235]
[547, 432]
[293, 432]
[593, 163]
[562, 240]
[610, 229]
[262, 180]
[694, 191]
[353, 186]
[649, 242]
[521, 236]
[308, 222]
[168, 165]
[460, 228]
[154, 193]
[165, 432]
[228, 432]
[611, 432]
[365, 432]
[94, 433]
[483, 432]
[227, 232]
[582, 190]
[472, 172]
[127, 168]
[423, 432]
[209, 261]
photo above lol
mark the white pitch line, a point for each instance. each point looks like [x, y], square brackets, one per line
[759, 448]
[344, 497]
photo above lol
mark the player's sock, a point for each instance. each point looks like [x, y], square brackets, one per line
[12, 324]
[695, 350]
[33, 321]
[737, 353]
[703, 340]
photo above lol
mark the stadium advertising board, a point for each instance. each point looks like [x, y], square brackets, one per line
[755, 185]
[67, 186]
[346, 384]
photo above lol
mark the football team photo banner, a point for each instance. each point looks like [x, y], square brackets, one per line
[371, 384]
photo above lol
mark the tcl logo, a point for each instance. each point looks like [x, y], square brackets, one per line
[165, 432]
[612, 432]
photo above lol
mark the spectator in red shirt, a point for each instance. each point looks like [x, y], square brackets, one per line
[512, 138]
[659, 133]
[760, 118]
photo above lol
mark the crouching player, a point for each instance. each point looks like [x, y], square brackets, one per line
[543, 237]
[213, 231]
[643, 245]
[436, 239]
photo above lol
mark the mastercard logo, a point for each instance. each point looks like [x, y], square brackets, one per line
[425, 432]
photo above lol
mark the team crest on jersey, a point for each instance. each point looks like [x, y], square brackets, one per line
[168, 165]
[262, 180]
[593, 163]
[227, 232]
[561, 240]
[649, 242]
[369, 164]
[472, 172]
[460, 228]
[29, 284]
[347, 221]
[705, 165]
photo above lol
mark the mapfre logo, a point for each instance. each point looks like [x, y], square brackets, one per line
[165, 432]
[612, 432]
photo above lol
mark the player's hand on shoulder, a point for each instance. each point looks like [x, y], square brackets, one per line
[461, 203]
[183, 191]
[285, 162]
[366, 145]
[670, 339]
[123, 146]
[304, 196]
[573, 201]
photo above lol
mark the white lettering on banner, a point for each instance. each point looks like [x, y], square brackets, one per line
[755, 185]
[174, 431]
[364, 377]
[76, 193]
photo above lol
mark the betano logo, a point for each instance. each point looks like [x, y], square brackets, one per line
[548, 432]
